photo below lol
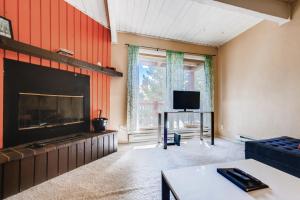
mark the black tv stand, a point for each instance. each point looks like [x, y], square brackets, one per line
[186, 111]
[165, 128]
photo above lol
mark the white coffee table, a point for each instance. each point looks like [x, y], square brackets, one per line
[204, 183]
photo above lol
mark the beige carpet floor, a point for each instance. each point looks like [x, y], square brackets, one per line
[133, 172]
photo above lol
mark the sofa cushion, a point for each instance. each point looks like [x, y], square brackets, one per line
[283, 149]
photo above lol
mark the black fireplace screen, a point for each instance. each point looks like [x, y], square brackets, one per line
[48, 110]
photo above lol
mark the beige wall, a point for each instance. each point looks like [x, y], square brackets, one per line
[259, 81]
[118, 107]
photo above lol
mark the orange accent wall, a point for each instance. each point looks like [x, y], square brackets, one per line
[53, 24]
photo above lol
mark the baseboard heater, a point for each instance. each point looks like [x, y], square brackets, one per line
[246, 138]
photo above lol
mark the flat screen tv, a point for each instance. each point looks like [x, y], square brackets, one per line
[186, 100]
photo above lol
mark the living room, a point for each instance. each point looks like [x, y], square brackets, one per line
[149, 99]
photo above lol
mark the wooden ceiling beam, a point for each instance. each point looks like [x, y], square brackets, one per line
[278, 11]
[110, 10]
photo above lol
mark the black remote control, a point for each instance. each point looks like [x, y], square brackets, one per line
[238, 175]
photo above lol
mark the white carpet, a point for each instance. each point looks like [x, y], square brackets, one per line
[133, 172]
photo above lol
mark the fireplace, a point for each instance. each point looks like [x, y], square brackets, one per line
[41, 103]
[48, 110]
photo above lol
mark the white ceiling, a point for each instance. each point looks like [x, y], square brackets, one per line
[187, 21]
[184, 20]
[93, 8]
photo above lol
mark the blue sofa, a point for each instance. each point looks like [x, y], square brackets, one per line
[281, 153]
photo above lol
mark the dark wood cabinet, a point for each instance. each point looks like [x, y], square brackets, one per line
[72, 156]
[40, 168]
[52, 164]
[19, 172]
[100, 147]
[80, 154]
[111, 143]
[88, 151]
[11, 178]
[26, 173]
[1, 181]
[115, 142]
[94, 148]
[105, 145]
[63, 160]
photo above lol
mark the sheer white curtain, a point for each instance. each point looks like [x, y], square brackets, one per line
[175, 81]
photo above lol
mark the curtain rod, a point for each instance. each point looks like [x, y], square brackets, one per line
[160, 49]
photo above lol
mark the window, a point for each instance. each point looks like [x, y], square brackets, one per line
[152, 88]
[194, 77]
[152, 84]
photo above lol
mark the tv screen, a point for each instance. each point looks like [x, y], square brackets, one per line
[186, 100]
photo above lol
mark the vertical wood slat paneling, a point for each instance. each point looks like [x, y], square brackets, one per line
[108, 77]
[104, 54]
[83, 38]
[1, 98]
[95, 61]
[54, 38]
[45, 28]
[54, 24]
[77, 36]
[1, 83]
[100, 76]
[91, 95]
[62, 29]
[11, 12]
[35, 25]
[89, 40]
[24, 25]
[70, 32]
[90, 60]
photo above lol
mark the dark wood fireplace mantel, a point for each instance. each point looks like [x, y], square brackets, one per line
[22, 167]
[9, 44]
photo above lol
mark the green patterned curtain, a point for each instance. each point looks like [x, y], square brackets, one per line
[209, 83]
[132, 87]
[175, 75]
